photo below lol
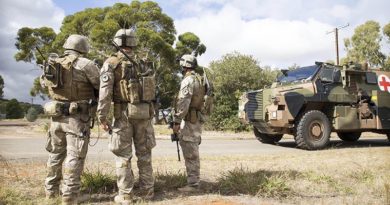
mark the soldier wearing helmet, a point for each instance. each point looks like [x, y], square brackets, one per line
[72, 82]
[188, 120]
[129, 82]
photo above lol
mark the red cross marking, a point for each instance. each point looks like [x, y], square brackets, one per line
[383, 81]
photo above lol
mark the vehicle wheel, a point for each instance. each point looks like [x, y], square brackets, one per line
[349, 136]
[388, 136]
[267, 138]
[313, 131]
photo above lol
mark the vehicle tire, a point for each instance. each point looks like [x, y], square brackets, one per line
[267, 138]
[349, 136]
[313, 131]
[388, 136]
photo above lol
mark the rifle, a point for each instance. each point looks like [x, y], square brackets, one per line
[174, 136]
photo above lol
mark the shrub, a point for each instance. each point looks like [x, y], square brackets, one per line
[32, 114]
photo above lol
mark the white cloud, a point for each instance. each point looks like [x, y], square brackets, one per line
[19, 76]
[272, 41]
[278, 33]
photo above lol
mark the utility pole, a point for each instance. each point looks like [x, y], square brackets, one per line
[336, 32]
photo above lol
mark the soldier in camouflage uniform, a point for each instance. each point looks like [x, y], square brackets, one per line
[71, 112]
[129, 83]
[188, 119]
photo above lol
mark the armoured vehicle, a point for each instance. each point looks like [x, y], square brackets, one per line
[311, 102]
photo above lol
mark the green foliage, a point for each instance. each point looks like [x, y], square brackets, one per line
[97, 182]
[37, 89]
[32, 114]
[259, 183]
[13, 110]
[1, 87]
[386, 31]
[24, 106]
[169, 181]
[11, 196]
[365, 45]
[189, 42]
[155, 32]
[235, 74]
[29, 38]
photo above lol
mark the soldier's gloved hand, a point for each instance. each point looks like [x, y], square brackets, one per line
[176, 128]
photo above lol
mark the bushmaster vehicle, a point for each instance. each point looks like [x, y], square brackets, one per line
[311, 102]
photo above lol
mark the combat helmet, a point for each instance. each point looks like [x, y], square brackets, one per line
[125, 38]
[77, 43]
[188, 61]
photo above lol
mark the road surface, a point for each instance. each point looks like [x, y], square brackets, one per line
[27, 148]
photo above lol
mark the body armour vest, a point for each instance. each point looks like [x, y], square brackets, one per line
[74, 85]
[198, 92]
[133, 83]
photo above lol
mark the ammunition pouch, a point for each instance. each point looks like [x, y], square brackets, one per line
[133, 91]
[136, 91]
[58, 108]
[148, 88]
[140, 111]
[193, 115]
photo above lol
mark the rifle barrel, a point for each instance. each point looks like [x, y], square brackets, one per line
[39, 51]
[178, 150]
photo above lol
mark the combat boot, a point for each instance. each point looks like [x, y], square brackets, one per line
[189, 189]
[145, 194]
[123, 199]
[52, 195]
[69, 200]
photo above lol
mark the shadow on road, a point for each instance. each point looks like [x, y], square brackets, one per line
[339, 144]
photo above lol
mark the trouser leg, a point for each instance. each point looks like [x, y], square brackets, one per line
[121, 145]
[144, 142]
[77, 148]
[56, 146]
[125, 176]
[54, 172]
[191, 157]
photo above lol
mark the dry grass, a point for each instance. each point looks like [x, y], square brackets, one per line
[335, 176]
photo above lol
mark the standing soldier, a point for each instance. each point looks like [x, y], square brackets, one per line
[72, 82]
[129, 82]
[188, 119]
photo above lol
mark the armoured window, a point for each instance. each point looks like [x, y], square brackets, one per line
[337, 76]
[371, 78]
[326, 75]
[303, 73]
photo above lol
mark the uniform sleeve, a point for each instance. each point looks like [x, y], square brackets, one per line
[105, 91]
[184, 99]
[92, 73]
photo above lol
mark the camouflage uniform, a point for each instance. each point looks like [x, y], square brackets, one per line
[126, 129]
[68, 136]
[190, 118]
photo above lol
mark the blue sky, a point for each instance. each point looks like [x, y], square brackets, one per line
[278, 33]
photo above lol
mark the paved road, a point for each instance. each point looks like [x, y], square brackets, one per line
[33, 148]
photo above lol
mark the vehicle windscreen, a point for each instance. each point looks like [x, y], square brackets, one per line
[304, 73]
